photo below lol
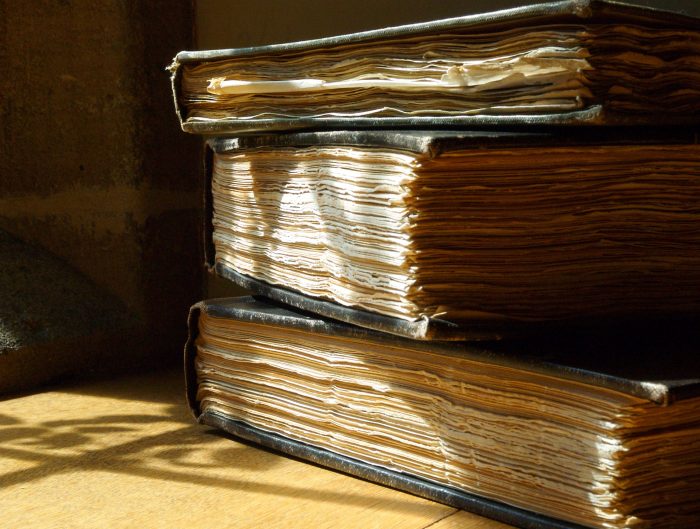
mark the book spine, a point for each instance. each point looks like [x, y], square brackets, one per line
[190, 353]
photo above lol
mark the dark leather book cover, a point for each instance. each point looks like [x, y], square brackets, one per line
[655, 369]
[602, 97]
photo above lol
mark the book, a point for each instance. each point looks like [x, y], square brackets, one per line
[461, 235]
[563, 62]
[588, 431]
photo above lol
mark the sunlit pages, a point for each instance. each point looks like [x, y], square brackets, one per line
[570, 450]
[474, 234]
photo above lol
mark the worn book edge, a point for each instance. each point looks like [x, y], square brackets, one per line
[563, 10]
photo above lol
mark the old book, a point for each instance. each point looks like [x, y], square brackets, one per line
[565, 62]
[581, 431]
[454, 235]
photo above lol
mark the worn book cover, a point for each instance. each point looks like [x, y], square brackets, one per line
[592, 430]
[564, 62]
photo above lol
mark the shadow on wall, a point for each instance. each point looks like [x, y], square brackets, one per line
[53, 320]
[95, 170]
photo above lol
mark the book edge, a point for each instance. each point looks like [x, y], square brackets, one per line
[593, 115]
[432, 142]
[478, 505]
[424, 329]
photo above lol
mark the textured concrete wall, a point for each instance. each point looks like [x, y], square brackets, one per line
[93, 166]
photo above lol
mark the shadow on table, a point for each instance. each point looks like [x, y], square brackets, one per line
[160, 442]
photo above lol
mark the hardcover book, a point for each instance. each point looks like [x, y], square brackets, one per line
[588, 431]
[461, 235]
[563, 62]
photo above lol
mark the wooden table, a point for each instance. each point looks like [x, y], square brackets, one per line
[126, 453]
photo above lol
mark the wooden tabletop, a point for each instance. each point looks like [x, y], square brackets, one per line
[126, 453]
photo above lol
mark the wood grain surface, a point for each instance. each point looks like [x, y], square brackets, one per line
[126, 453]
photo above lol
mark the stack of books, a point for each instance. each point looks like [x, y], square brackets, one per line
[474, 251]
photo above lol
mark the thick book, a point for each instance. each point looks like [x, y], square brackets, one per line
[461, 235]
[564, 62]
[589, 431]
